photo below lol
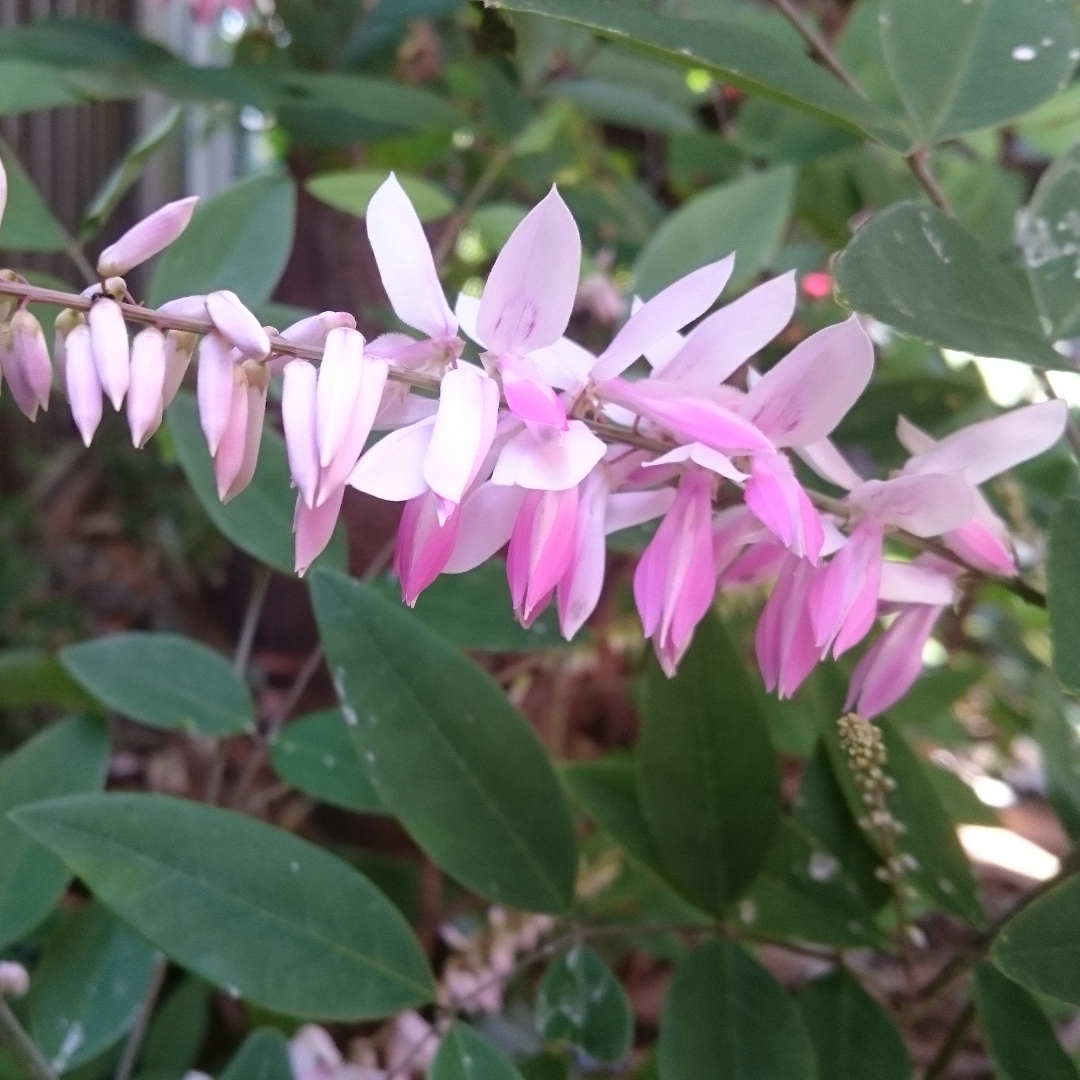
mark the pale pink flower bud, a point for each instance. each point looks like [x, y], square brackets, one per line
[109, 340]
[185, 307]
[14, 979]
[179, 349]
[238, 452]
[311, 332]
[214, 387]
[315, 527]
[424, 546]
[541, 548]
[3, 190]
[298, 418]
[81, 379]
[65, 322]
[235, 322]
[26, 364]
[313, 1054]
[146, 238]
[144, 402]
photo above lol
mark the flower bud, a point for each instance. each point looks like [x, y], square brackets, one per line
[179, 349]
[109, 340]
[65, 322]
[146, 238]
[81, 379]
[238, 451]
[237, 324]
[185, 307]
[3, 190]
[14, 979]
[314, 528]
[214, 388]
[25, 363]
[144, 402]
[311, 332]
[298, 418]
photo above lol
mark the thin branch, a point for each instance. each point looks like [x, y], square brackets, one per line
[146, 1010]
[21, 1047]
[460, 218]
[1072, 432]
[259, 587]
[954, 1040]
[819, 46]
[919, 164]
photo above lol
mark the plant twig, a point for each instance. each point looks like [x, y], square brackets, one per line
[259, 586]
[818, 45]
[1072, 432]
[460, 218]
[954, 1040]
[919, 164]
[146, 1010]
[21, 1047]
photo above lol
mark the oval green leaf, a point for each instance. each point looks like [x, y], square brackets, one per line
[580, 1000]
[260, 519]
[239, 240]
[351, 190]
[28, 223]
[914, 268]
[89, 987]
[448, 755]
[260, 913]
[1018, 1036]
[176, 1033]
[852, 1034]
[465, 1054]
[704, 760]
[727, 1018]
[68, 757]
[963, 66]
[163, 680]
[746, 216]
[1063, 594]
[263, 1055]
[316, 756]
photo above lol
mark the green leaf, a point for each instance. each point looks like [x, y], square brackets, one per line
[464, 1054]
[259, 520]
[164, 680]
[474, 611]
[33, 677]
[1019, 1038]
[260, 913]
[582, 1001]
[941, 873]
[1040, 947]
[239, 240]
[25, 87]
[963, 66]
[316, 756]
[447, 753]
[746, 216]
[263, 1055]
[127, 172]
[495, 222]
[708, 779]
[914, 268]
[176, 1033]
[804, 893]
[1048, 232]
[735, 54]
[89, 987]
[1063, 595]
[1056, 732]
[68, 757]
[727, 1018]
[351, 190]
[626, 105]
[28, 223]
[852, 1034]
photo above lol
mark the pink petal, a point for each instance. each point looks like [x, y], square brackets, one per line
[580, 587]
[983, 546]
[393, 469]
[761, 562]
[723, 342]
[925, 504]
[257, 382]
[405, 263]
[844, 595]
[564, 365]
[179, 349]
[238, 325]
[530, 292]
[702, 455]
[913, 439]
[424, 545]
[314, 529]
[373, 376]
[733, 529]
[625, 509]
[886, 673]
[550, 460]
[109, 340]
[827, 461]
[214, 387]
[145, 392]
[541, 547]
[230, 452]
[298, 397]
[807, 394]
[780, 504]
[526, 395]
[463, 432]
[146, 238]
[338, 390]
[467, 311]
[83, 388]
[312, 331]
[985, 449]
[487, 522]
[26, 364]
[185, 307]
[670, 310]
[784, 640]
[909, 583]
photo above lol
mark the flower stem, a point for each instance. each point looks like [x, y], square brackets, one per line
[21, 1047]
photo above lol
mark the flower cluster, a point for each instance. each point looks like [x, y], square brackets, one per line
[544, 448]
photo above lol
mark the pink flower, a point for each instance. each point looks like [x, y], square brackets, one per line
[145, 403]
[109, 342]
[24, 359]
[675, 578]
[81, 382]
[237, 325]
[146, 238]
[238, 451]
[424, 544]
[784, 641]
[541, 548]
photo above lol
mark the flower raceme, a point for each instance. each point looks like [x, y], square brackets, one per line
[507, 454]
